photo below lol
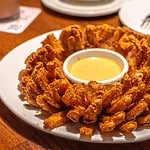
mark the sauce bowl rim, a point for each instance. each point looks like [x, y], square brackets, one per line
[93, 52]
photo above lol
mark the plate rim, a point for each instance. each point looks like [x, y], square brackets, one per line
[67, 11]
[125, 21]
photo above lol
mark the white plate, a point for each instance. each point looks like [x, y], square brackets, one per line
[133, 12]
[11, 65]
[84, 9]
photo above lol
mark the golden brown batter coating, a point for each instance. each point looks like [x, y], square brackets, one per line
[107, 126]
[109, 123]
[87, 130]
[56, 120]
[92, 111]
[75, 114]
[144, 120]
[112, 94]
[137, 110]
[72, 39]
[76, 95]
[55, 44]
[123, 105]
[128, 126]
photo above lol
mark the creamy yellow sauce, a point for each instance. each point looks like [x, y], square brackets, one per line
[95, 68]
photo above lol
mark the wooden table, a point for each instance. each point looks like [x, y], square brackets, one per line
[16, 134]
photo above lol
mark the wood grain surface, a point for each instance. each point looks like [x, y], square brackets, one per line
[18, 135]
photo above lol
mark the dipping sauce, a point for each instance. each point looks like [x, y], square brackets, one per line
[95, 68]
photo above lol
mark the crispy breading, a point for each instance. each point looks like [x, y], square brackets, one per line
[107, 126]
[143, 120]
[147, 90]
[72, 39]
[92, 111]
[128, 126]
[97, 87]
[122, 105]
[134, 79]
[45, 106]
[41, 78]
[136, 91]
[54, 69]
[137, 110]
[91, 35]
[43, 54]
[146, 98]
[24, 79]
[87, 130]
[118, 117]
[75, 114]
[125, 44]
[31, 92]
[53, 95]
[55, 44]
[56, 120]
[51, 40]
[110, 122]
[111, 94]
[147, 58]
[77, 94]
